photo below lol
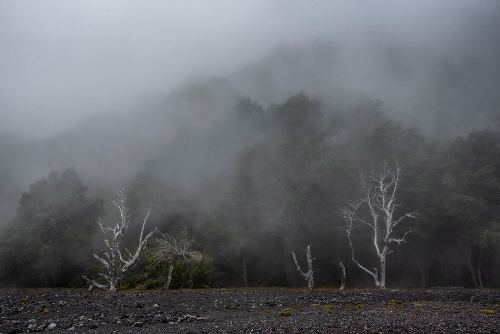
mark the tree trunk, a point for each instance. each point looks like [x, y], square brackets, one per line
[291, 280]
[382, 271]
[421, 269]
[479, 265]
[468, 257]
[343, 277]
[115, 286]
[169, 277]
[245, 278]
[383, 258]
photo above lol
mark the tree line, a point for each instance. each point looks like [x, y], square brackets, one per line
[298, 164]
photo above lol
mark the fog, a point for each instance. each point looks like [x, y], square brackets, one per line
[61, 61]
[249, 124]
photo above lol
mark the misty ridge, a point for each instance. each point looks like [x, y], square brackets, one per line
[442, 95]
[258, 162]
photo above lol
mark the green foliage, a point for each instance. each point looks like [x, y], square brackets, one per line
[192, 275]
[299, 115]
[149, 274]
[48, 242]
[328, 308]
[490, 236]
[285, 312]
[269, 179]
[91, 270]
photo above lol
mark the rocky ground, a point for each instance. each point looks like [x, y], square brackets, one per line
[251, 311]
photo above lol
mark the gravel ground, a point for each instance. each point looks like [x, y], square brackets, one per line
[251, 311]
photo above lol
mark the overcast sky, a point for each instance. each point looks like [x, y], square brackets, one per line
[63, 60]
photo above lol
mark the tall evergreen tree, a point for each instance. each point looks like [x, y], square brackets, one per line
[48, 242]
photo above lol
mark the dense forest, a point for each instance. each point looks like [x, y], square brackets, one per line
[263, 162]
[251, 185]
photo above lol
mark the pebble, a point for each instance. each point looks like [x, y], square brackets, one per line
[247, 310]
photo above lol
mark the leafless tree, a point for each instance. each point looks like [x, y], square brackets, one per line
[309, 274]
[117, 265]
[168, 249]
[343, 278]
[380, 200]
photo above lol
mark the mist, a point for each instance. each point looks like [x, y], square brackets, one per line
[250, 123]
[61, 61]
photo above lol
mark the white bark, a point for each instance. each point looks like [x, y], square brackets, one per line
[309, 274]
[170, 272]
[116, 264]
[380, 199]
[342, 283]
[168, 249]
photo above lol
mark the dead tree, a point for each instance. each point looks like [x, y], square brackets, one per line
[309, 274]
[168, 249]
[343, 278]
[380, 201]
[117, 265]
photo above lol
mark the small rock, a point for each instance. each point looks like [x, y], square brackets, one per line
[15, 331]
[11, 311]
[51, 326]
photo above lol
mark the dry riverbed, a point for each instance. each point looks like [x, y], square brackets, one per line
[251, 311]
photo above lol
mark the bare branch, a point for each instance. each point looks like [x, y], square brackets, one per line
[115, 272]
[168, 249]
[400, 240]
[93, 284]
[380, 199]
[309, 274]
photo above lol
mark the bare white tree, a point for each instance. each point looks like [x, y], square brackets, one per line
[309, 274]
[169, 249]
[342, 280]
[117, 265]
[380, 199]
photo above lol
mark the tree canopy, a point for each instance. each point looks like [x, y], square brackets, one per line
[47, 243]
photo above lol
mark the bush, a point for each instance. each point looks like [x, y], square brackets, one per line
[192, 275]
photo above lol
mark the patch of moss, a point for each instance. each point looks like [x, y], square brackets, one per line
[266, 310]
[314, 305]
[285, 312]
[328, 308]
[395, 302]
[299, 306]
[487, 311]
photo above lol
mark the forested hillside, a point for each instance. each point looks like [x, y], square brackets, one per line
[260, 165]
[256, 183]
